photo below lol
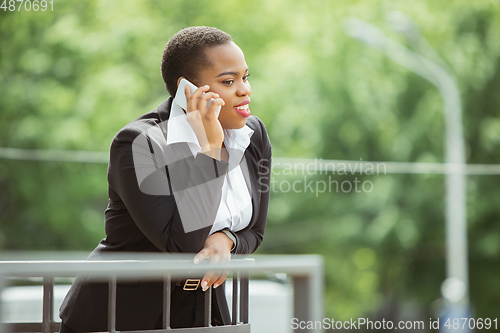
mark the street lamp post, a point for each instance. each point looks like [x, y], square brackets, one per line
[455, 288]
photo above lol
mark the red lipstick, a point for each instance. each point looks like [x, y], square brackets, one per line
[242, 108]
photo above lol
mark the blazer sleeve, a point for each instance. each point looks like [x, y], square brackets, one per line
[249, 239]
[150, 200]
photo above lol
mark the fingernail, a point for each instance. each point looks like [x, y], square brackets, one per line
[196, 261]
[204, 286]
[216, 285]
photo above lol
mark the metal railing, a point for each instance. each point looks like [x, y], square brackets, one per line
[306, 272]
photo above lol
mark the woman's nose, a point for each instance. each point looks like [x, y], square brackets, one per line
[244, 89]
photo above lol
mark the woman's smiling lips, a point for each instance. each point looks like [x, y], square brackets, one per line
[242, 108]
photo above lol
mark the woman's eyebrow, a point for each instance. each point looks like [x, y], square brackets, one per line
[230, 73]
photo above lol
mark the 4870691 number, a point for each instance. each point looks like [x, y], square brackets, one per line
[27, 5]
[471, 323]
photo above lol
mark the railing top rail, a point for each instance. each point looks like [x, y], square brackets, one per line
[154, 265]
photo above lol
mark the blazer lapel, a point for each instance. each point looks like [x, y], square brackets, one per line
[252, 187]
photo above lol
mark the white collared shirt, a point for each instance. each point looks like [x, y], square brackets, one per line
[235, 209]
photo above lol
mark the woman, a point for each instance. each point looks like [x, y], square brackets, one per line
[207, 193]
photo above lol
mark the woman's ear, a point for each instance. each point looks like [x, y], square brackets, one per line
[179, 80]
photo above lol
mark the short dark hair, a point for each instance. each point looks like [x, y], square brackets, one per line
[184, 54]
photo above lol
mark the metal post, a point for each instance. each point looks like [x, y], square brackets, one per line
[316, 285]
[48, 303]
[244, 297]
[301, 301]
[234, 318]
[167, 292]
[207, 321]
[112, 305]
[3, 285]
[308, 297]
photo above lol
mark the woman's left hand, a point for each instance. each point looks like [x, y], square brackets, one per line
[217, 249]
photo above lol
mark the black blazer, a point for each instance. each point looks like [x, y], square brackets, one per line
[139, 222]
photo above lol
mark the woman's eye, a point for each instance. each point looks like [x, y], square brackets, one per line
[228, 82]
[246, 77]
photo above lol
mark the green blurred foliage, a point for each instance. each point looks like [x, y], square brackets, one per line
[71, 78]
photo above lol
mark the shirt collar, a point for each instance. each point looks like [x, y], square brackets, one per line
[178, 128]
[238, 138]
[236, 141]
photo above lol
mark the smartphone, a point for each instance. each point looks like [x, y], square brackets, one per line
[180, 95]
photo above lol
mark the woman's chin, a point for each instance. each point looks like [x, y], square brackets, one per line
[234, 124]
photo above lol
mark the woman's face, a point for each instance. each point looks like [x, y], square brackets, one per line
[228, 77]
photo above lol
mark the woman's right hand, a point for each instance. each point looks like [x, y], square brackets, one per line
[204, 121]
